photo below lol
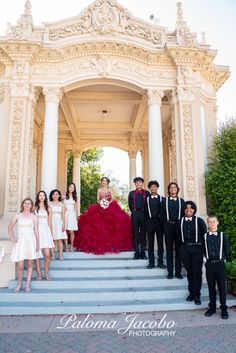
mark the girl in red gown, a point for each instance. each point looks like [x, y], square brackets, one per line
[104, 227]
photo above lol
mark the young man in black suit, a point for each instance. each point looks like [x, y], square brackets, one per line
[192, 230]
[137, 199]
[155, 217]
[216, 250]
[174, 210]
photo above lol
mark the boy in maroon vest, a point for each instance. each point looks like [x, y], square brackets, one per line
[137, 199]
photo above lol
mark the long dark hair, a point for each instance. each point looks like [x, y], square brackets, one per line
[172, 183]
[107, 179]
[37, 202]
[74, 193]
[22, 204]
[52, 192]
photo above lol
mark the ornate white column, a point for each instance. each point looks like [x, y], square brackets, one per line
[50, 139]
[155, 146]
[76, 175]
[132, 168]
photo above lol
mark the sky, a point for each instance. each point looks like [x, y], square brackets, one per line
[215, 17]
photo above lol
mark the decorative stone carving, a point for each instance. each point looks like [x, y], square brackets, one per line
[185, 93]
[184, 37]
[52, 94]
[107, 17]
[18, 107]
[24, 26]
[34, 97]
[155, 96]
[173, 155]
[189, 152]
[103, 65]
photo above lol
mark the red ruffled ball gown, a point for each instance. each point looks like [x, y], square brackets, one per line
[104, 230]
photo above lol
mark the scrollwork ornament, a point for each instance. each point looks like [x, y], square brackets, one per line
[189, 151]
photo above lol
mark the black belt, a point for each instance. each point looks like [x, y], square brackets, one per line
[192, 244]
[214, 261]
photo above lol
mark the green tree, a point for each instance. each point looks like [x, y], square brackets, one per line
[70, 160]
[221, 181]
[90, 176]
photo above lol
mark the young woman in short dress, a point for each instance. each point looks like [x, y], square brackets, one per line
[71, 212]
[26, 246]
[44, 215]
[58, 220]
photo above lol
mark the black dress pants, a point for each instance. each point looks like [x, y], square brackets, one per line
[155, 228]
[138, 220]
[215, 274]
[192, 258]
[172, 239]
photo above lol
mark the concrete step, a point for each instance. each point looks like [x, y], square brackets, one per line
[103, 272]
[42, 308]
[111, 283]
[81, 255]
[97, 263]
[107, 295]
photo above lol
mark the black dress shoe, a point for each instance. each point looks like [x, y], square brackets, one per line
[210, 312]
[189, 298]
[143, 257]
[161, 266]
[150, 266]
[197, 301]
[169, 276]
[224, 314]
[179, 276]
[136, 257]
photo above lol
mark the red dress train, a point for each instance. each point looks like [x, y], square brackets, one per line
[104, 230]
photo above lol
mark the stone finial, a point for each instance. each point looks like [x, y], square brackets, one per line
[28, 6]
[180, 17]
[24, 26]
[203, 38]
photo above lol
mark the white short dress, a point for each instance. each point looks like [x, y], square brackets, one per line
[25, 248]
[57, 232]
[71, 220]
[45, 235]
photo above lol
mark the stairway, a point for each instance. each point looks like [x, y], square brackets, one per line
[111, 283]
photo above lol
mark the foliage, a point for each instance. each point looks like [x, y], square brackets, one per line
[231, 268]
[120, 191]
[90, 172]
[92, 155]
[221, 181]
[70, 168]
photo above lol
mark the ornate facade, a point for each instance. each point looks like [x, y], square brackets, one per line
[104, 78]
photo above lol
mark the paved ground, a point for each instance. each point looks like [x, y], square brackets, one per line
[172, 332]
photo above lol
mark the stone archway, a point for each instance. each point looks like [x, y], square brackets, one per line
[106, 42]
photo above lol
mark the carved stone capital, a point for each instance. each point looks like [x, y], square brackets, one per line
[77, 152]
[155, 96]
[52, 94]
